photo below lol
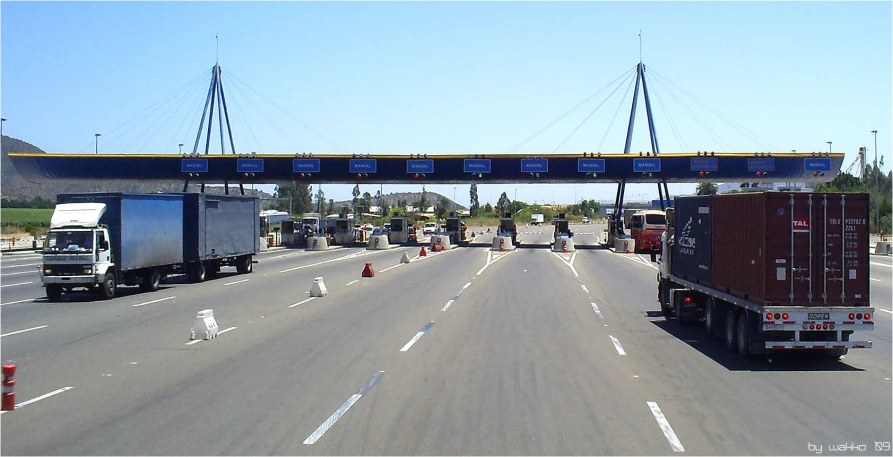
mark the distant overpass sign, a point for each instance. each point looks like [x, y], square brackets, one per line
[534, 165]
[591, 165]
[194, 165]
[760, 164]
[420, 166]
[363, 165]
[477, 166]
[704, 164]
[817, 164]
[305, 166]
[649, 165]
[250, 165]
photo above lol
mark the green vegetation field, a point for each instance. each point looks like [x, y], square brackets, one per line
[21, 220]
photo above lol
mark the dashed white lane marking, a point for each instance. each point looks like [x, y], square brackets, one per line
[881, 264]
[391, 268]
[874, 279]
[23, 331]
[885, 310]
[348, 256]
[583, 286]
[352, 282]
[466, 286]
[316, 435]
[42, 397]
[447, 306]
[226, 330]
[153, 301]
[665, 427]
[19, 301]
[235, 282]
[302, 302]
[17, 284]
[218, 333]
[617, 345]
[491, 259]
[597, 311]
[22, 266]
[417, 336]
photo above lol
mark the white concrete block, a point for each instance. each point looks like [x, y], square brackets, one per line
[624, 244]
[405, 258]
[441, 241]
[503, 243]
[205, 326]
[319, 288]
[378, 242]
[317, 243]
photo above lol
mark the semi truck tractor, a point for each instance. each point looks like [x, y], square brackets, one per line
[100, 241]
[770, 271]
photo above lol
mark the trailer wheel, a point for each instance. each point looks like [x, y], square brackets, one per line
[730, 330]
[198, 272]
[710, 317]
[743, 336]
[109, 285]
[151, 280]
[54, 292]
[245, 265]
[835, 354]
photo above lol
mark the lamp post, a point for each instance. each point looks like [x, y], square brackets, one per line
[829, 146]
[877, 212]
[97, 142]
[181, 148]
[2, 120]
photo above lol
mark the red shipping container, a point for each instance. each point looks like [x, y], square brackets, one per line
[799, 249]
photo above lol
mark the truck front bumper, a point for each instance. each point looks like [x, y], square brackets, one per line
[71, 281]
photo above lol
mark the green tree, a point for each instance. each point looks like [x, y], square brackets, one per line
[320, 201]
[423, 203]
[488, 208]
[503, 203]
[299, 195]
[441, 209]
[475, 206]
[356, 197]
[706, 188]
[367, 199]
[331, 206]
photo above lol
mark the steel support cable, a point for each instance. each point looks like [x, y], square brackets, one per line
[165, 99]
[670, 122]
[244, 120]
[753, 136]
[272, 123]
[531, 137]
[697, 120]
[164, 116]
[587, 117]
[289, 114]
[194, 108]
[616, 112]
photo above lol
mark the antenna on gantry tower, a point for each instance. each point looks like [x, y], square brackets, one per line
[621, 187]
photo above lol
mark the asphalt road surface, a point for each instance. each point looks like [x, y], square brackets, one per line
[464, 352]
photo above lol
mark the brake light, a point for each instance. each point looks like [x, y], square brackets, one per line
[689, 299]
[768, 316]
[784, 316]
[852, 316]
[867, 315]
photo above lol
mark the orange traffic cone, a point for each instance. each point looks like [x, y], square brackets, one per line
[368, 272]
[472, 234]
[423, 252]
[565, 250]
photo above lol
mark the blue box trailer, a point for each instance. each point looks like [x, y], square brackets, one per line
[219, 230]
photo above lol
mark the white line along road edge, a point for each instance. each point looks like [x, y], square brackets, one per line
[34, 400]
[23, 331]
[325, 426]
[665, 427]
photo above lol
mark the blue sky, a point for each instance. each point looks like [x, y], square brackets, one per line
[451, 77]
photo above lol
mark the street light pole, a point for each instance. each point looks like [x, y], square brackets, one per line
[877, 196]
[97, 142]
[2, 120]
[181, 148]
[829, 146]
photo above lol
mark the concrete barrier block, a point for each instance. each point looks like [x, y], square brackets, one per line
[317, 243]
[319, 288]
[502, 243]
[440, 243]
[624, 245]
[205, 326]
[378, 242]
[405, 258]
[562, 244]
[882, 247]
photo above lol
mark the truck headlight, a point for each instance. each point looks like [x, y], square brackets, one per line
[88, 270]
[47, 270]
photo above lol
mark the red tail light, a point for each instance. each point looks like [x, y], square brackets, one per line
[867, 315]
[852, 316]
[689, 299]
[768, 316]
[784, 316]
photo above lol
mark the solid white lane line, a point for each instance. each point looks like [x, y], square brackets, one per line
[873, 279]
[221, 332]
[569, 262]
[447, 306]
[325, 426]
[18, 273]
[20, 301]
[302, 302]
[154, 301]
[42, 397]
[617, 345]
[885, 310]
[489, 261]
[665, 427]
[235, 282]
[391, 268]
[881, 264]
[348, 256]
[466, 286]
[17, 284]
[417, 336]
[353, 282]
[583, 286]
[23, 331]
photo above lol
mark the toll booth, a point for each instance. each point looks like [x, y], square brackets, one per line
[455, 229]
[562, 226]
[507, 227]
[290, 237]
[399, 232]
[344, 234]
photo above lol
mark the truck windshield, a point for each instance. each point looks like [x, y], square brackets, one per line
[655, 219]
[69, 241]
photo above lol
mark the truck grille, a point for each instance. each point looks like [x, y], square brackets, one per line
[65, 270]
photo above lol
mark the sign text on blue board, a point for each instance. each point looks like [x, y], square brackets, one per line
[760, 164]
[194, 165]
[591, 165]
[648, 165]
[250, 165]
[534, 165]
[817, 164]
[363, 165]
[420, 166]
[704, 164]
[477, 166]
[305, 165]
